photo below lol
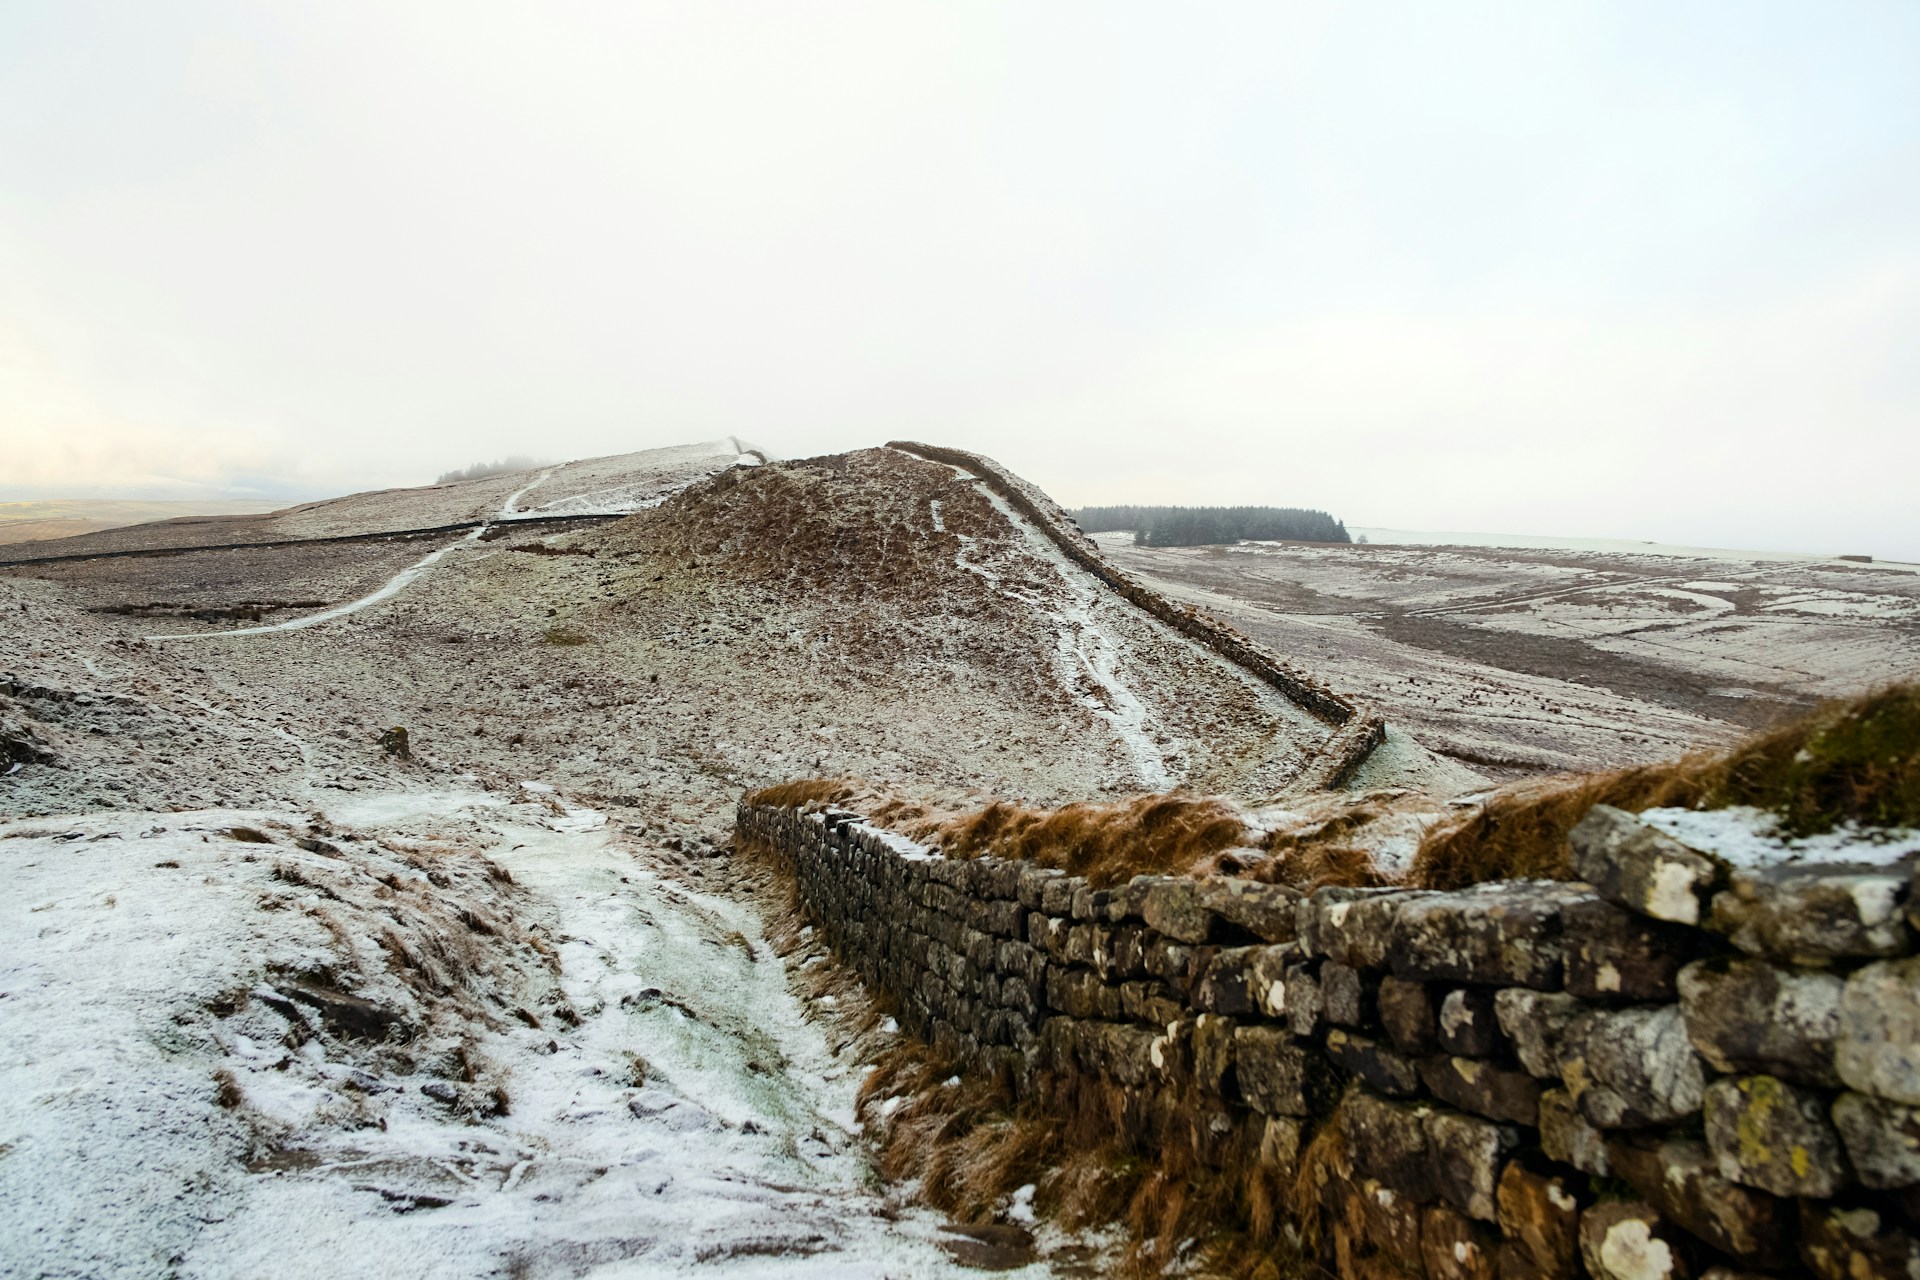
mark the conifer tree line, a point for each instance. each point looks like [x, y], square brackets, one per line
[1213, 526]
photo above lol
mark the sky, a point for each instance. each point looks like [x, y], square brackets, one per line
[1646, 270]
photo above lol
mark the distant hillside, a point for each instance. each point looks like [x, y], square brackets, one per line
[68, 517]
[1213, 526]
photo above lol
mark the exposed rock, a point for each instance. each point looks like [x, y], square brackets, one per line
[1628, 1240]
[394, 742]
[1613, 953]
[1540, 1213]
[1454, 1247]
[1809, 915]
[1484, 1088]
[1768, 1134]
[1678, 1177]
[1407, 1012]
[1856, 1244]
[1629, 1068]
[1467, 1153]
[1751, 1016]
[1882, 1139]
[1647, 871]
[1877, 1050]
[1468, 1025]
[1534, 1021]
[1503, 934]
[1567, 1136]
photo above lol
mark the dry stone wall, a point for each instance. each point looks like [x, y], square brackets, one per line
[1675, 1068]
[1357, 731]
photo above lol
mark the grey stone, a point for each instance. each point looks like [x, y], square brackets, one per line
[1629, 1240]
[1388, 1141]
[1374, 1064]
[1351, 925]
[1346, 995]
[1809, 915]
[1277, 1076]
[1642, 869]
[1213, 1052]
[1304, 1002]
[1467, 1023]
[1679, 1177]
[1467, 1155]
[1407, 1012]
[1877, 1050]
[1267, 911]
[1172, 906]
[1268, 979]
[1483, 1087]
[1750, 1016]
[1630, 1068]
[1567, 1136]
[1882, 1139]
[1766, 1133]
[1226, 984]
[1616, 954]
[1502, 934]
[1534, 1021]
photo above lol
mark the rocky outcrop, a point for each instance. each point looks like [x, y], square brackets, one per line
[1499, 1064]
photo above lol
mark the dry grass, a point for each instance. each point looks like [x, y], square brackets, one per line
[564, 636]
[1107, 843]
[1853, 761]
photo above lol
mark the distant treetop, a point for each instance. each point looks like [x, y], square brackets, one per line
[1213, 526]
[480, 470]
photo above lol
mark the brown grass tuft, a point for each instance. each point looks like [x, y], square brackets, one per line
[1107, 843]
[1852, 761]
[802, 792]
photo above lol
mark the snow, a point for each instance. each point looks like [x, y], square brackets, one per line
[693, 1119]
[1745, 837]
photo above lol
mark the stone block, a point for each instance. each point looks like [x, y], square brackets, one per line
[1468, 1153]
[1838, 1243]
[1630, 1068]
[1629, 1240]
[1379, 1067]
[1482, 1087]
[1388, 1141]
[1642, 869]
[1267, 978]
[1226, 984]
[1057, 893]
[1030, 886]
[1280, 1138]
[1877, 1050]
[1171, 962]
[1304, 1003]
[1455, 1247]
[1569, 1137]
[1534, 1021]
[1276, 1075]
[1468, 1025]
[1502, 934]
[1267, 911]
[1766, 1133]
[1679, 1177]
[1213, 1053]
[1811, 915]
[1613, 953]
[1539, 1214]
[1090, 903]
[1172, 907]
[1389, 1220]
[1351, 925]
[1347, 995]
[1882, 1139]
[1749, 1016]
[1407, 1012]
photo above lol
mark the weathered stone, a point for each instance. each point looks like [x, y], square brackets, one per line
[1376, 1065]
[1768, 1134]
[1540, 1213]
[1169, 961]
[1454, 1247]
[1090, 903]
[1031, 886]
[1212, 1040]
[1467, 1155]
[1534, 1021]
[1882, 1139]
[1407, 1012]
[1353, 926]
[1613, 953]
[1567, 1136]
[1628, 1240]
[1172, 906]
[1855, 1244]
[1056, 895]
[1280, 1145]
[1390, 1220]
[1810, 915]
[1267, 979]
[1346, 995]
[1678, 1177]
[1751, 1016]
[1480, 1086]
[1277, 1076]
[1632, 1067]
[1226, 984]
[1303, 1000]
[1502, 934]
[1267, 911]
[1467, 1023]
[1388, 1141]
[1640, 868]
[1877, 1050]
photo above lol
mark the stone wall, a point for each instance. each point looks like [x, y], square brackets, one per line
[1676, 1068]
[1357, 731]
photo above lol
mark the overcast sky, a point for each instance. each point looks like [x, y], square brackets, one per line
[1645, 270]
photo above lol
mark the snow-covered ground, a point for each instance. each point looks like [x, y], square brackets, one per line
[377, 1055]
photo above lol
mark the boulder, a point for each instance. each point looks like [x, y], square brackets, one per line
[1628, 1240]
[1539, 1212]
[1615, 954]
[1811, 915]
[1534, 1021]
[1772, 1135]
[1877, 1050]
[1468, 1025]
[1882, 1139]
[1267, 979]
[1642, 869]
[1502, 934]
[1629, 1068]
[1749, 1016]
